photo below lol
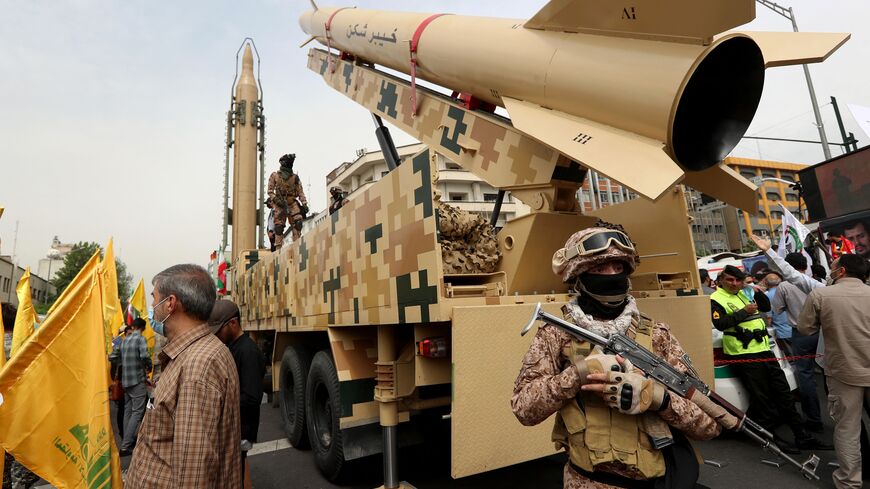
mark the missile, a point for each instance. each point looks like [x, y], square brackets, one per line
[245, 157]
[643, 92]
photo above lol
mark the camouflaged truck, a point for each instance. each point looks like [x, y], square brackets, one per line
[369, 331]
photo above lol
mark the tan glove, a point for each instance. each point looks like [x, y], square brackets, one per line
[632, 393]
[598, 362]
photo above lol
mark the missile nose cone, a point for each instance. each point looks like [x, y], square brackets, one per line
[248, 59]
[305, 21]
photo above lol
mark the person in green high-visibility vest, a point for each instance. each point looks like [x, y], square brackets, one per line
[735, 311]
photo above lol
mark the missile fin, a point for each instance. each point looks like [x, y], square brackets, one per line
[796, 48]
[675, 20]
[725, 184]
[637, 162]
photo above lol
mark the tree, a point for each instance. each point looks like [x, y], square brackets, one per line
[125, 280]
[76, 259]
[73, 262]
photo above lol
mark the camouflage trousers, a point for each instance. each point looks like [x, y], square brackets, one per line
[280, 216]
[17, 476]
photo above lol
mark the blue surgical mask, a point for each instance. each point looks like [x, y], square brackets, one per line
[749, 292]
[157, 325]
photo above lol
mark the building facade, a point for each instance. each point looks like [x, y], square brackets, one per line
[771, 193]
[53, 261]
[40, 289]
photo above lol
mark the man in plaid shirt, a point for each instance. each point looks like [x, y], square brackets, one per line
[135, 363]
[191, 437]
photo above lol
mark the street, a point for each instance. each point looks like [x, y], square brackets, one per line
[429, 467]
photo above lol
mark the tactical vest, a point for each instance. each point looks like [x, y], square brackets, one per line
[595, 434]
[750, 336]
[285, 189]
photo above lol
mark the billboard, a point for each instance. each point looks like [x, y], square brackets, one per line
[837, 187]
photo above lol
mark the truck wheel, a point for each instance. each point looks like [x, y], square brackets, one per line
[291, 396]
[323, 410]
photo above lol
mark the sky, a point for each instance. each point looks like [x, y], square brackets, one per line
[114, 114]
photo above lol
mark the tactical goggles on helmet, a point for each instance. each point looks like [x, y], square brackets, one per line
[600, 241]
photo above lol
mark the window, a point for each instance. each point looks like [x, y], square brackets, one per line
[490, 197]
[768, 174]
[773, 196]
[452, 166]
[762, 214]
[787, 175]
[457, 196]
[747, 174]
[790, 197]
[776, 215]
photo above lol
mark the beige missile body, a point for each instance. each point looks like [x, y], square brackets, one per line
[642, 94]
[245, 159]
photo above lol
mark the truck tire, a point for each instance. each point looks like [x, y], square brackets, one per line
[291, 396]
[323, 410]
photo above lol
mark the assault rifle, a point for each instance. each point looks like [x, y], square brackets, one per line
[686, 385]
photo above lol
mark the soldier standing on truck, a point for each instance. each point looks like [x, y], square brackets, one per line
[620, 429]
[287, 199]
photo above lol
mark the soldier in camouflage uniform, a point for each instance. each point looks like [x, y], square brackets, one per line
[17, 476]
[609, 417]
[285, 188]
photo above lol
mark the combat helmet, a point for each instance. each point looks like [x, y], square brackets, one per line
[287, 160]
[591, 247]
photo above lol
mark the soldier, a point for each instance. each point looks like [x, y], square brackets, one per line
[338, 199]
[610, 418]
[285, 189]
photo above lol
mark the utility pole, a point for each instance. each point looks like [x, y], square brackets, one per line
[788, 13]
[849, 142]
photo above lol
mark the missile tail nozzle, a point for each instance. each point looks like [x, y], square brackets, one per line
[717, 103]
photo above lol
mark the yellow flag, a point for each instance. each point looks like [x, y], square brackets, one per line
[86, 271]
[112, 315]
[54, 405]
[26, 317]
[139, 309]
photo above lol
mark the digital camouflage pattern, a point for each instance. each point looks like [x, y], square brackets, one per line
[485, 144]
[548, 379]
[374, 261]
[468, 242]
[571, 269]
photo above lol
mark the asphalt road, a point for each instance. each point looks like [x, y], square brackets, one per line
[429, 467]
[274, 464]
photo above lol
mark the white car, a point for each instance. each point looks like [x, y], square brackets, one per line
[728, 385]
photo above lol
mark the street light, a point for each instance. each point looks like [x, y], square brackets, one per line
[788, 13]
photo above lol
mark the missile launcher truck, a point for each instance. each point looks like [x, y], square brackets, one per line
[373, 342]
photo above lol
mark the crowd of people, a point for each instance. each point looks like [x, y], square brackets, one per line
[202, 414]
[819, 322]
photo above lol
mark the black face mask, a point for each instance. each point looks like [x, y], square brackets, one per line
[602, 285]
[605, 284]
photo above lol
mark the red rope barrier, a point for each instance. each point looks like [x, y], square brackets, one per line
[718, 363]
